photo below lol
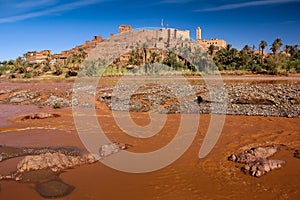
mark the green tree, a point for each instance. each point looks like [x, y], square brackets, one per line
[170, 59]
[247, 49]
[277, 64]
[226, 58]
[75, 60]
[154, 58]
[58, 68]
[294, 52]
[262, 45]
[287, 48]
[276, 45]
[211, 49]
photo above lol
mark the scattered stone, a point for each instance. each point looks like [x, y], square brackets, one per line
[109, 149]
[55, 100]
[54, 189]
[40, 116]
[22, 96]
[250, 99]
[256, 160]
[105, 97]
[242, 99]
[5, 91]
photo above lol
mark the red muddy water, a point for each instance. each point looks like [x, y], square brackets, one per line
[213, 177]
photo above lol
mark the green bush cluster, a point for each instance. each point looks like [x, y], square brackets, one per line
[276, 63]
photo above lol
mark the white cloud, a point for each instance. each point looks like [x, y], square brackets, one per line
[34, 3]
[53, 10]
[246, 4]
[175, 1]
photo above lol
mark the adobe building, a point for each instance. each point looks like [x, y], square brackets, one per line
[198, 34]
[218, 43]
[87, 47]
[37, 57]
[178, 34]
[124, 28]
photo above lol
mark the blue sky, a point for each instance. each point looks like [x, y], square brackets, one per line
[59, 25]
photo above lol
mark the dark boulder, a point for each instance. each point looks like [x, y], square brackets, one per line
[54, 189]
[297, 154]
[199, 99]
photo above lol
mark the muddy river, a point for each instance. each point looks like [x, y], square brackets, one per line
[212, 177]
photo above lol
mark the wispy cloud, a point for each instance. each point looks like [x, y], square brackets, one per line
[34, 3]
[246, 4]
[174, 1]
[53, 10]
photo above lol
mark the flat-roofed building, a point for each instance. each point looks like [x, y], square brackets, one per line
[34, 57]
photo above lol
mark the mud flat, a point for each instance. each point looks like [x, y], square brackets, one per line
[213, 177]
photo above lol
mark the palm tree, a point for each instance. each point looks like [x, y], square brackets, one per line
[246, 48]
[263, 44]
[170, 59]
[287, 48]
[211, 49]
[276, 45]
[19, 64]
[293, 50]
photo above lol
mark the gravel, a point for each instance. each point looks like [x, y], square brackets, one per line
[234, 99]
[250, 99]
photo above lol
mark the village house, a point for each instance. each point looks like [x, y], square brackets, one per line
[218, 43]
[38, 57]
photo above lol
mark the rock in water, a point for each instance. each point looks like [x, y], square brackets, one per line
[112, 148]
[54, 189]
[108, 149]
[40, 116]
[54, 161]
[38, 176]
[253, 154]
[256, 162]
[297, 154]
[262, 167]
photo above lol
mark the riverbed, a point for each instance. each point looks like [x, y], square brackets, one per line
[189, 177]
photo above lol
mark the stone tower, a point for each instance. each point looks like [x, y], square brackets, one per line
[198, 34]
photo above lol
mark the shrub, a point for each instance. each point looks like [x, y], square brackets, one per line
[294, 66]
[12, 76]
[70, 73]
[58, 71]
[27, 75]
[46, 68]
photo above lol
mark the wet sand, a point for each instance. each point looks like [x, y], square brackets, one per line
[213, 177]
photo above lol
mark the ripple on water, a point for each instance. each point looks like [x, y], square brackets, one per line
[39, 137]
